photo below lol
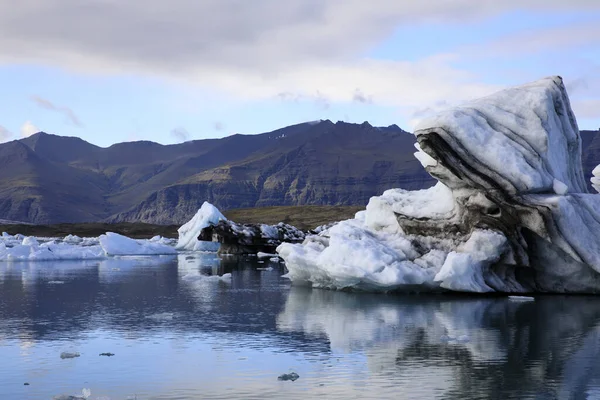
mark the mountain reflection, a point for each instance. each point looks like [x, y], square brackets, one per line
[479, 347]
[436, 346]
[46, 301]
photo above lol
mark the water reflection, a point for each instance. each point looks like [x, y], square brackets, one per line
[466, 347]
[56, 300]
[235, 336]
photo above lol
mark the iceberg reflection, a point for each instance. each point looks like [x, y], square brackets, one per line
[488, 348]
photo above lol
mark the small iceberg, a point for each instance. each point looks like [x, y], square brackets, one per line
[114, 244]
[188, 233]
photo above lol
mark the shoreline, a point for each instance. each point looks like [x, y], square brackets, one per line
[135, 230]
[302, 217]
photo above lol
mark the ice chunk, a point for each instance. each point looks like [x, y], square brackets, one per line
[292, 376]
[188, 233]
[435, 202]
[164, 316]
[210, 247]
[32, 250]
[521, 298]
[115, 244]
[30, 241]
[67, 354]
[260, 254]
[425, 159]
[595, 179]
[72, 239]
[559, 187]
[85, 393]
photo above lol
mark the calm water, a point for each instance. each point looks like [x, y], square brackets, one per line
[176, 338]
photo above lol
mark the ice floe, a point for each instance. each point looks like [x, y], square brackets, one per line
[29, 248]
[115, 244]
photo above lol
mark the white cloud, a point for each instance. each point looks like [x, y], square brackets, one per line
[28, 129]
[5, 134]
[262, 49]
[187, 37]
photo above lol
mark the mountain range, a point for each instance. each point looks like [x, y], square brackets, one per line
[47, 179]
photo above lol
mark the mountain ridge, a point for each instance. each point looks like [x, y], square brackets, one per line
[49, 179]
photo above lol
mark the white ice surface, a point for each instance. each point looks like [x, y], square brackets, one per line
[22, 248]
[435, 202]
[114, 244]
[525, 134]
[188, 233]
[374, 256]
[463, 269]
[595, 179]
[30, 248]
[370, 252]
[525, 139]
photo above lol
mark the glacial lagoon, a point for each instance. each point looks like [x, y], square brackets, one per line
[178, 330]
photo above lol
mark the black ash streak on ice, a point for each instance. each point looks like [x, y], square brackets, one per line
[510, 212]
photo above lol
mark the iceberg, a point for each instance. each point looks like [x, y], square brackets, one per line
[206, 216]
[30, 249]
[114, 244]
[510, 212]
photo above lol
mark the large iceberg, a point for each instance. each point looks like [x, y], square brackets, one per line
[510, 211]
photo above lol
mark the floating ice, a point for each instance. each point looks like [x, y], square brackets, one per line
[260, 254]
[31, 250]
[164, 316]
[188, 233]
[521, 298]
[292, 376]
[67, 354]
[85, 393]
[115, 244]
[510, 212]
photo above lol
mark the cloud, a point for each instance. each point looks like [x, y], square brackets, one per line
[181, 134]
[66, 111]
[360, 97]
[190, 36]
[294, 50]
[219, 126]
[5, 134]
[28, 129]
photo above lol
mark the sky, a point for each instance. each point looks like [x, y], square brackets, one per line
[110, 71]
